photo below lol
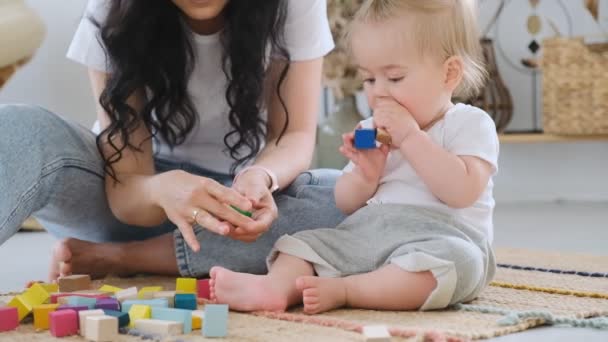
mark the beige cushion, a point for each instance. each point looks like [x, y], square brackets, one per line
[21, 32]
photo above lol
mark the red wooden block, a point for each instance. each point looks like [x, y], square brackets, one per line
[203, 288]
[9, 318]
[64, 323]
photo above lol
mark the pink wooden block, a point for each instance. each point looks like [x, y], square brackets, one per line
[64, 323]
[203, 288]
[9, 319]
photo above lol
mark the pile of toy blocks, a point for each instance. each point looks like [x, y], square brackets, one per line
[71, 307]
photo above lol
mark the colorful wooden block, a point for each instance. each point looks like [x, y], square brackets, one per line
[126, 294]
[185, 301]
[139, 311]
[148, 292]
[159, 302]
[82, 318]
[168, 295]
[110, 288]
[108, 304]
[101, 328]
[9, 318]
[75, 282]
[241, 211]
[50, 287]
[159, 327]
[365, 138]
[76, 308]
[41, 315]
[175, 315]
[23, 307]
[197, 319]
[63, 323]
[185, 285]
[376, 333]
[62, 298]
[123, 317]
[203, 288]
[82, 301]
[216, 320]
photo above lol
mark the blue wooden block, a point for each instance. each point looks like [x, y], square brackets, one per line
[123, 317]
[159, 302]
[365, 138]
[82, 301]
[185, 301]
[215, 323]
[175, 315]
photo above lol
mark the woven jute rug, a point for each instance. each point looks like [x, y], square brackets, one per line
[527, 292]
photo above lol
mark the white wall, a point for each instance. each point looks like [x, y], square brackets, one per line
[50, 79]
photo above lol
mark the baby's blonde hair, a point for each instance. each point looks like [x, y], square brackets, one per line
[442, 28]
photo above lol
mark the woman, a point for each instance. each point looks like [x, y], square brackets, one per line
[191, 92]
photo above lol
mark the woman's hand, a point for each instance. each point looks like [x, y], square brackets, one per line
[253, 185]
[370, 163]
[189, 199]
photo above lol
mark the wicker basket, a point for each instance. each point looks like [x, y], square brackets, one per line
[575, 87]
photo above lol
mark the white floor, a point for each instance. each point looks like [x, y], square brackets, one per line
[568, 227]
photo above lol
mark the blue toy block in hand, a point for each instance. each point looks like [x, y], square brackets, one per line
[365, 138]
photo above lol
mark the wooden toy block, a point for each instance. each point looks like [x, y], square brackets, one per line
[62, 298]
[383, 137]
[77, 282]
[82, 318]
[110, 288]
[216, 320]
[139, 311]
[126, 294]
[108, 304]
[92, 293]
[23, 307]
[148, 292]
[63, 323]
[101, 328]
[365, 138]
[185, 301]
[82, 301]
[168, 295]
[175, 315]
[203, 288]
[158, 327]
[36, 295]
[50, 287]
[376, 333]
[185, 285]
[158, 302]
[123, 317]
[76, 308]
[41, 315]
[9, 318]
[242, 212]
[198, 317]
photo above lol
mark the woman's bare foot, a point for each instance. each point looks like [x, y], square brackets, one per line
[246, 292]
[321, 294]
[72, 256]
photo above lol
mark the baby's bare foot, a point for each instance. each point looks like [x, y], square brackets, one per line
[245, 292]
[72, 256]
[321, 294]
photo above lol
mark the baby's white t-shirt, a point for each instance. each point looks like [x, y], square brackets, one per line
[307, 36]
[464, 131]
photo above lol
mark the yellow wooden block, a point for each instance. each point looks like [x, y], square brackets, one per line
[41, 315]
[109, 288]
[50, 288]
[22, 305]
[139, 311]
[36, 295]
[148, 292]
[197, 319]
[185, 285]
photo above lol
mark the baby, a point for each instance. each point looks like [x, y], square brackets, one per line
[420, 227]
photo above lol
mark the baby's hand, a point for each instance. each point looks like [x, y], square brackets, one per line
[369, 162]
[395, 119]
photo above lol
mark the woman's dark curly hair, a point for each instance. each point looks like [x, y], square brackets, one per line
[149, 47]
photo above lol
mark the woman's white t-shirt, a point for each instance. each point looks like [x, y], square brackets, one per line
[464, 131]
[307, 36]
